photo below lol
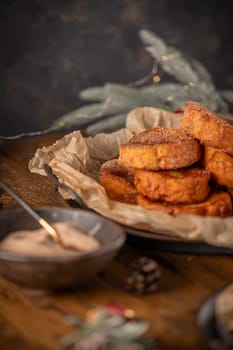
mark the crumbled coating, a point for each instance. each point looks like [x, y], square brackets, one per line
[220, 165]
[190, 185]
[159, 168]
[157, 136]
[113, 167]
[118, 182]
[217, 204]
[160, 148]
[210, 128]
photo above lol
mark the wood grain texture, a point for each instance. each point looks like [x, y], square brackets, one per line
[35, 320]
[14, 158]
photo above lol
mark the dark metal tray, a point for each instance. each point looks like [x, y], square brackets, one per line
[172, 244]
[216, 336]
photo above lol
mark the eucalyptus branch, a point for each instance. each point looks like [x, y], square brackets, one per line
[108, 105]
[147, 77]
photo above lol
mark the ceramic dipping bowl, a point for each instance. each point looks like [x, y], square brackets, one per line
[61, 271]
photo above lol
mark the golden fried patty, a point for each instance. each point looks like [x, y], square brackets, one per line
[230, 190]
[220, 165]
[188, 185]
[217, 204]
[160, 148]
[118, 182]
[212, 129]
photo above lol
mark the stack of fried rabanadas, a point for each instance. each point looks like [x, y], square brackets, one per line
[185, 170]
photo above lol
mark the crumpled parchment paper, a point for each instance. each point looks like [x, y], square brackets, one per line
[76, 160]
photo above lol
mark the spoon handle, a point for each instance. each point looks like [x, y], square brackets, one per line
[31, 211]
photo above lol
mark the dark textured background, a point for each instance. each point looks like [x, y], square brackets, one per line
[50, 50]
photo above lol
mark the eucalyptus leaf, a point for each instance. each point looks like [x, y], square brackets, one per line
[120, 96]
[201, 72]
[120, 99]
[172, 96]
[150, 39]
[124, 96]
[96, 110]
[179, 68]
[215, 102]
[186, 70]
[74, 320]
[97, 93]
[68, 340]
[193, 82]
[72, 121]
[174, 62]
[227, 95]
[166, 94]
[107, 125]
[129, 330]
[130, 346]
[164, 89]
[107, 91]
[110, 103]
[83, 116]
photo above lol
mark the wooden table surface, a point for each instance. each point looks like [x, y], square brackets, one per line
[35, 319]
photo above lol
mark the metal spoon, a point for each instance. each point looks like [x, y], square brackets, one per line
[57, 184]
[51, 231]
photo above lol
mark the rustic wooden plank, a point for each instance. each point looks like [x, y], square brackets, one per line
[33, 188]
[171, 309]
[26, 326]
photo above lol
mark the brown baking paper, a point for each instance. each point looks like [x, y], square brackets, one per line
[76, 160]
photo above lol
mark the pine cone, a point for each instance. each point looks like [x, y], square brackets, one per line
[144, 276]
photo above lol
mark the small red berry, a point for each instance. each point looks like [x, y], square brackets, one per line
[115, 308]
[177, 111]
